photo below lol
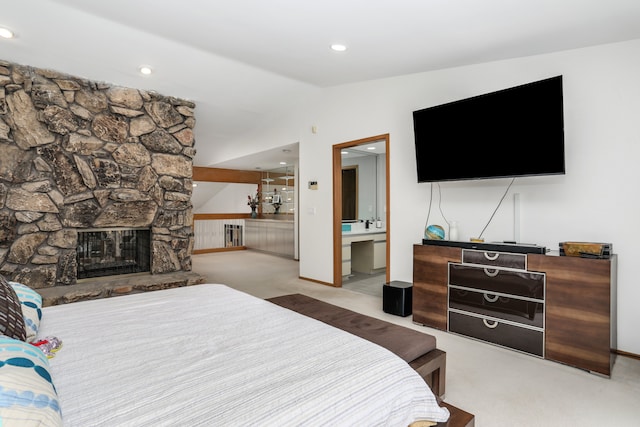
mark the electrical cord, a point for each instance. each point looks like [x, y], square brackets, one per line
[440, 206]
[497, 207]
[426, 224]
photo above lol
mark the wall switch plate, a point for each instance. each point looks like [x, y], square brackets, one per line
[313, 185]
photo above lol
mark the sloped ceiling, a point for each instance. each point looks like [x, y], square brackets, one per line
[245, 62]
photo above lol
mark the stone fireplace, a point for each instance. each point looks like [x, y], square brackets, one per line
[81, 156]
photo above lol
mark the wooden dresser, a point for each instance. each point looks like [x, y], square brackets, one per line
[569, 316]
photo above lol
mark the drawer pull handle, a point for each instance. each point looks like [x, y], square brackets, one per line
[490, 325]
[491, 257]
[491, 273]
[491, 298]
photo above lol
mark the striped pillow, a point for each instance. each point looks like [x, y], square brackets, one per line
[11, 319]
[31, 303]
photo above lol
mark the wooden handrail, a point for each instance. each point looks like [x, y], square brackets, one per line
[205, 216]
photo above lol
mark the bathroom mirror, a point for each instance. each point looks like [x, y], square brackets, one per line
[363, 184]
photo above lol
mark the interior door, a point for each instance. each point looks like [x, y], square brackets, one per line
[349, 193]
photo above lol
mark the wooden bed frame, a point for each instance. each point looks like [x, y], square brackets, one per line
[431, 365]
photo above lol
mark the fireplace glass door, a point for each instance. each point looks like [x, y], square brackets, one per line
[109, 252]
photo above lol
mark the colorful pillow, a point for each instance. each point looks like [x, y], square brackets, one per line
[27, 394]
[11, 319]
[31, 304]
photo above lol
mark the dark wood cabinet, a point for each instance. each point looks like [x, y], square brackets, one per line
[430, 276]
[579, 303]
[581, 310]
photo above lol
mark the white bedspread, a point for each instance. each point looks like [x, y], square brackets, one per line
[208, 355]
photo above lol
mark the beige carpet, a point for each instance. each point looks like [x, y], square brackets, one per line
[503, 388]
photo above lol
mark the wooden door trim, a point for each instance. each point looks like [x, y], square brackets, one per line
[337, 205]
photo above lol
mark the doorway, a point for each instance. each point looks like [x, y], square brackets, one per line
[338, 207]
[350, 193]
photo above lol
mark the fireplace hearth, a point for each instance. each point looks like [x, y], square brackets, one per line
[110, 252]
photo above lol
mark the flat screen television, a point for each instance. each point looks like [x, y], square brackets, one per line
[509, 133]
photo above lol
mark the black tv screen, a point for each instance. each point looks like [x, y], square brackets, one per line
[509, 133]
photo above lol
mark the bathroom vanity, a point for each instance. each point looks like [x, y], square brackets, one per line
[363, 250]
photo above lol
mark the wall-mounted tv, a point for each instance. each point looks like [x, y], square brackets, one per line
[509, 133]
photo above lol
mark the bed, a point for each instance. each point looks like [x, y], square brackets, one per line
[211, 355]
[416, 348]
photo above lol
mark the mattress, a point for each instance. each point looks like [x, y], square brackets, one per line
[211, 355]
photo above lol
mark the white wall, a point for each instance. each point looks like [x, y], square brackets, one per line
[382, 190]
[222, 197]
[595, 201]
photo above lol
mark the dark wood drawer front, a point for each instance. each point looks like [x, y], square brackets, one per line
[508, 308]
[523, 339]
[518, 283]
[494, 259]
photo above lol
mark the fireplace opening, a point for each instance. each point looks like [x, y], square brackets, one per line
[109, 252]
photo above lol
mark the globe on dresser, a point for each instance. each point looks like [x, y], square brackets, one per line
[434, 232]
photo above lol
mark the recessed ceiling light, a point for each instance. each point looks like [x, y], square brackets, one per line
[283, 163]
[338, 47]
[6, 33]
[145, 69]
[344, 152]
[371, 148]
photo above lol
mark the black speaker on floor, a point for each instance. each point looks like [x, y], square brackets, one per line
[397, 298]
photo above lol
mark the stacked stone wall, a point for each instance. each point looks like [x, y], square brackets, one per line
[77, 154]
